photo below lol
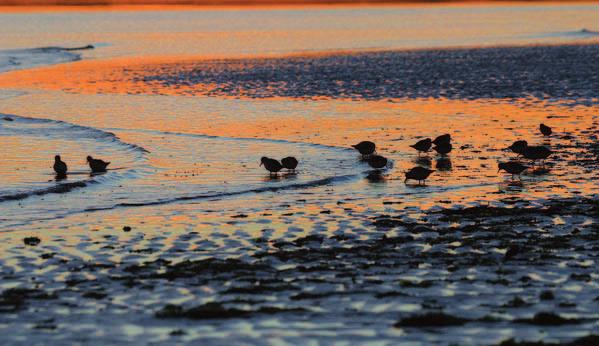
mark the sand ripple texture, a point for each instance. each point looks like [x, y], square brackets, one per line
[162, 255]
[544, 72]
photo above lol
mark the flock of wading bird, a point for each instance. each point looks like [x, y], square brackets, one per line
[442, 145]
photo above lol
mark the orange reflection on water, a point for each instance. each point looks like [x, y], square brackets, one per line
[480, 128]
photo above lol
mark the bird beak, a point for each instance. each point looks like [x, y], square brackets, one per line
[260, 164]
[498, 170]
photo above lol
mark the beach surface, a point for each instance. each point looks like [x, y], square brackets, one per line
[187, 239]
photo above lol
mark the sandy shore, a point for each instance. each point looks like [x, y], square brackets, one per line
[471, 258]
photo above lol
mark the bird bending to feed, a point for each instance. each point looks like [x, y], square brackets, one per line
[535, 153]
[512, 167]
[289, 163]
[97, 165]
[271, 165]
[418, 173]
[377, 161]
[443, 148]
[422, 145]
[365, 148]
[518, 147]
[545, 130]
[443, 139]
[60, 167]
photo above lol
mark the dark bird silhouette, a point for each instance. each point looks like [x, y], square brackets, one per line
[97, 165]
[535, 153]
[518, 147]
[273, 166]
[545, 130]
[443, 139]
[289, 163]
[422, 145]
[512, 167]
[365, 148]
[59, 166]
[443, 148]
[377, 161]
[418, 173]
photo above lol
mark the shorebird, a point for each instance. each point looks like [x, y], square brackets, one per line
[535, 153]
[443, 148]
[97, 165]
[422, 145]
[377, 161]
[273, 166]
[365, 148]
[518, 147]
[443, 139]
[418, 173]
[545, 130]
[59, 166]
[289, 163]
[512, 167]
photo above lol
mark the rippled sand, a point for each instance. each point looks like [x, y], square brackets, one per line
[471, 258]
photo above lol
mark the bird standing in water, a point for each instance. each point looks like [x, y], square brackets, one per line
[443, 148]
[418, 173]
[272, 166]
[365, 148]
[545, 130]
[422, 145]
[535, 153]
[289, 163]
[512, 167]
[518, 147]
[97, 165]
[377, 161]
[443, 139]
[60, 167]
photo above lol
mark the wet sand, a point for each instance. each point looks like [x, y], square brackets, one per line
[472, 258]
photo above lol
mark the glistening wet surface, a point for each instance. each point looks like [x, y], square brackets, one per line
[190, 240]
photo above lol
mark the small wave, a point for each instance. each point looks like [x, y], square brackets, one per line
[90, 132]
[19, 59]
[582, 33]
[57, 189]
[28, 185]
[63, 49]
[588, 32]
[297, 186]
[249, 139]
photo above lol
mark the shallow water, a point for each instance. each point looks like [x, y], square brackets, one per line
[185, 136]
[263, 31]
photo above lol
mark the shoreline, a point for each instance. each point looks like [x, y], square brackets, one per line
[191, 58]
[17, 78]
[161, 249]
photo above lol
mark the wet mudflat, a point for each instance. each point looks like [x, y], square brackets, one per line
[473, 257]
[513, 271]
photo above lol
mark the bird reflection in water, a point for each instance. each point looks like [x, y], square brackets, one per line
[443, 164]
[376, 176]
[424, 161]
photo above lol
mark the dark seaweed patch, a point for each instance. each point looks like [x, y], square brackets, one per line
[217, 311]
[431, 319]
[547, 319]
[14, 299]
[31, 241]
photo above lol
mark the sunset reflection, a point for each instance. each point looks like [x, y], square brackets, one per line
[199, 232]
